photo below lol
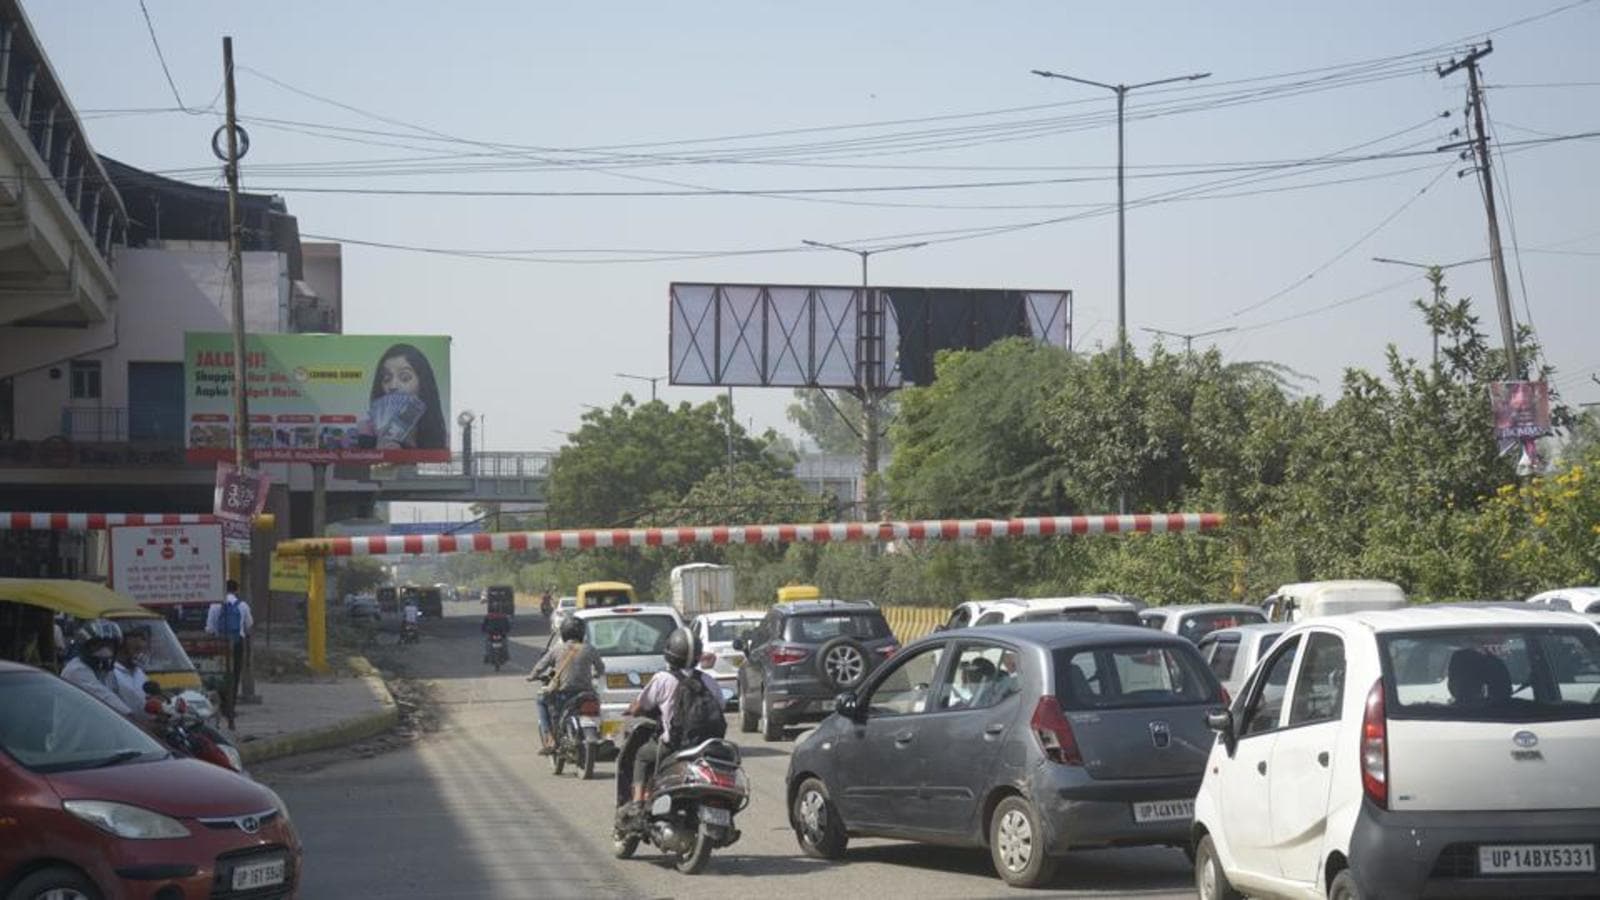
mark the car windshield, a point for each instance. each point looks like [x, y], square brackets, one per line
[816, 629]
[630, 635]
[51, 726]
[164, 653]
[1086, 614]
[1197, 625]
[1511, 674]
[1131, 675]
[727, 630]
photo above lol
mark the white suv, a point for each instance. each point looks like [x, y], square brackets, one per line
[1420, 752]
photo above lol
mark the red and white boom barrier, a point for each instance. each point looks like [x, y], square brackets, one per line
[47, 521]
[827, 532]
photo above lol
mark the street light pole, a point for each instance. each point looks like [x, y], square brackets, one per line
[644, 378]
[1189, 336]
[1121, 90]
[1435, 277]
[869, 368]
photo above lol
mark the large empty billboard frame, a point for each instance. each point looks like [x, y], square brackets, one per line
[769, 335]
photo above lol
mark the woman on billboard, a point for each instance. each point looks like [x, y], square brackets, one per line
[405, 412]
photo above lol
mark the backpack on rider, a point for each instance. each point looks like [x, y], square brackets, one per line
[697, 712]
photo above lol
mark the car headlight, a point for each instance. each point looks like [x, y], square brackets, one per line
[126, 821]
[232, 753]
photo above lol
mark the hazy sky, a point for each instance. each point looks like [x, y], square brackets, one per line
[536, 340]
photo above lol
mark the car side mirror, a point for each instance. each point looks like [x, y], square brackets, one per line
[1220, 720]
[846, 705]
[739, 644]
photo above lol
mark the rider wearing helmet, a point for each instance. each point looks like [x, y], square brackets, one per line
[682, 653]
[574, 665]
[94, 668]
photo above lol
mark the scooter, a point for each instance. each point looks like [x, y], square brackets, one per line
[182, 722]
[409, 633]
[497, 655]
[690, 803]
[577, 737]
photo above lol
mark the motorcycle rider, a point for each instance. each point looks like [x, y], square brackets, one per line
[547, 603]
[94, 668]
[494, 623]
[129, 669]
[682, 653]
[574, 665]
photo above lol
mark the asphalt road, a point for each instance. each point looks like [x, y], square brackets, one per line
[472, 812]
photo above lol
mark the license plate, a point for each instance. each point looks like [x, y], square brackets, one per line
[258, 875]
[1503, 859]
[611, 728]
[1163, 810]
[715, 815]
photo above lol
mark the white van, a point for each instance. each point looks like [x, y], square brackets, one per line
[1311, 599]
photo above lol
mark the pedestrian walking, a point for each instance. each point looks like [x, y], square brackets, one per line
[231, 621]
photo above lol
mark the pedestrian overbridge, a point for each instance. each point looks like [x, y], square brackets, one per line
[500, 477]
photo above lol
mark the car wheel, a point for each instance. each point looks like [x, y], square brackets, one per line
[1344, 887]
[1209, 880]
[749, 719]
[1016, 842]
[771, 728]
[843, 663]
[816, 821]
[55, 883]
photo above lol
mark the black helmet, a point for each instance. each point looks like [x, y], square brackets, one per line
[573, 629]
[682, 648]
[95, 634]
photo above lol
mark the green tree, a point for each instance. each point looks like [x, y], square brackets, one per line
[817, 413]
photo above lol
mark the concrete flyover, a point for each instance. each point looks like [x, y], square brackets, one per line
[516, 477]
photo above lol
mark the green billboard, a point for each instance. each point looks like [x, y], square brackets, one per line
[321, 397]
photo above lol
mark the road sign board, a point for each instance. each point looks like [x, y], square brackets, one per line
[166, 564]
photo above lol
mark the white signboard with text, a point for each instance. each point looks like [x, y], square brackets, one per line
[162, 564]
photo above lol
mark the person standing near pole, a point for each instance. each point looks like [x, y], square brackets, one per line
[231, 621]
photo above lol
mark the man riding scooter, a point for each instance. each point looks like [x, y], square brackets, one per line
[574, 666]
[94, 668]
[661, 694]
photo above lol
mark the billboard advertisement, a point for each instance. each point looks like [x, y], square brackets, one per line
[331, 398]
[1521, 413]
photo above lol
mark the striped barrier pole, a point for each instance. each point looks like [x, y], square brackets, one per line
[67, 521]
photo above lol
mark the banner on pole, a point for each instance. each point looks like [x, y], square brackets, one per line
[239, 497]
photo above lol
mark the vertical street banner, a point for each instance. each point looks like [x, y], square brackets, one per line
[1521, 416]
[321, 398]
[157, 565]
[239, 497]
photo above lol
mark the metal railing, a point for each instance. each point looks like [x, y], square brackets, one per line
[95, 424]
[496, 465]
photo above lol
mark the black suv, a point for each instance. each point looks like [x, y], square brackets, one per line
[802, 656]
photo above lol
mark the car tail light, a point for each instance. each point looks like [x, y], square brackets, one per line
[708, 660]
[1227, 698]
[889, 651]
[788, 656]
[1375, 748]
[1055, 733]
[589, 706]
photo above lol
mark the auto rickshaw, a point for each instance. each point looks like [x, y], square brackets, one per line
[602, 594]
[28, 607]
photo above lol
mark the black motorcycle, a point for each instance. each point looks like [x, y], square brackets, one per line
[497, 654]
[690, 803]
[577, 737]
[409, 633]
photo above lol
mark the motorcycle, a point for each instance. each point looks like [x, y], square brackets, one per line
[409, 633]
[183, 722]
[577, 737]
[546, 608]
[497, 655]
[689, 805]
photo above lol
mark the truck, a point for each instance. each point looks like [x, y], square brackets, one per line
[702, 588]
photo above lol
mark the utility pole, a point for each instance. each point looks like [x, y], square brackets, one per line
[870, 357]
[1480, 147]
[1435, 276]
[1189, 336]
[1121, 90]
[652, 379]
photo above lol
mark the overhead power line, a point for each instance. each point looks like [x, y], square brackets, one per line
[161, 57]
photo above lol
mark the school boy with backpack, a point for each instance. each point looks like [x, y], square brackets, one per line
[231, 621]
[691, 709]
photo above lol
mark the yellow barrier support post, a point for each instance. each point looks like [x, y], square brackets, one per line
[317, 613]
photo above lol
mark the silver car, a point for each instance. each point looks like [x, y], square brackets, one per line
[1232, 653]
[1028, 739]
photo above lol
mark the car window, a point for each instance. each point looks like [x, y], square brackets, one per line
[820, 628]
[1131, 675]
[48, 725]
[1198, 625]
[1493, 674]
[630, 635]
[906, 689]
[1223, 653]
[982, 677]
[1265, 642]
[1266, 698]
[991, 618]
[728, 629]
[1319, 688]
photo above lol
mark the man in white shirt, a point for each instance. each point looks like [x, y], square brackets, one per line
[231, 621]
[129, 670]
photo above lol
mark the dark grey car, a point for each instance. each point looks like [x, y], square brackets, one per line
[802, 655]
[1028, 739]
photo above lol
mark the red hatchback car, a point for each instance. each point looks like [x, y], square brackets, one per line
[93, 808]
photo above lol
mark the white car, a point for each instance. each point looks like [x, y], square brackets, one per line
[1440, 752]
[1584, 600]
[1232, 653]
[1096, 608]
[716, 632]
[630, 640]
[1196, 620]
[1310, 599]
[564, 607]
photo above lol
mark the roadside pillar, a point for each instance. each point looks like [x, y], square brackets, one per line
[317, 613]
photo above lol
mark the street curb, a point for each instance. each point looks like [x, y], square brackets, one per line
[329, 736]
